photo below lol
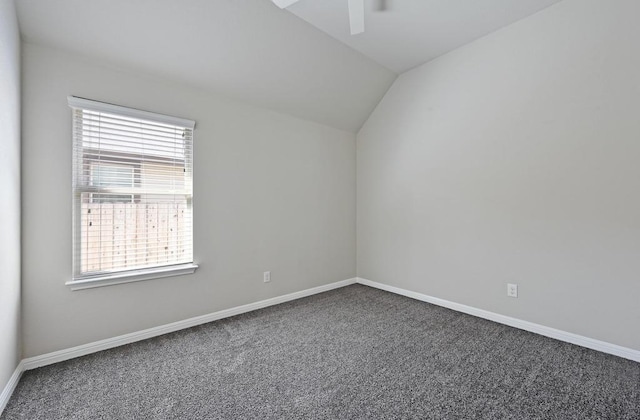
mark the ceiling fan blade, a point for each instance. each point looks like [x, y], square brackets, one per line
[284, 3]
[356, 16]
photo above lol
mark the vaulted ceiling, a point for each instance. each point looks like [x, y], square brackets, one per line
[402, 34]
[255, 52]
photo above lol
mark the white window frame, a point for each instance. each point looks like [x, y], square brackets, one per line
[79, 281]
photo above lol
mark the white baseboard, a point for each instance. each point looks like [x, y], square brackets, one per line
[82, 350]
[568, 337]
[11, 386]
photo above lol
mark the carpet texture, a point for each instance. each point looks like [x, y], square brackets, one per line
[351, 353]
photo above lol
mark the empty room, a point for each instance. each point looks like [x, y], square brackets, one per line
[321, 209]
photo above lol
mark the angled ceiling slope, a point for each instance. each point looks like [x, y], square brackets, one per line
[245, 49]
[356, 13]
[402, 34]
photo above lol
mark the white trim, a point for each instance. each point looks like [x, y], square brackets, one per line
[568, 337]
[96, 346]
[131, 276]
[5, 396]
[88, 104]
[82, 350]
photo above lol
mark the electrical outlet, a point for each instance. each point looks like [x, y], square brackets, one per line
[512, 290]
[266, 276]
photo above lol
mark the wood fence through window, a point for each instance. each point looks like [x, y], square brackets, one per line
[123, 236]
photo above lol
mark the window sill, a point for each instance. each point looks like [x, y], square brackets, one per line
[129, 277]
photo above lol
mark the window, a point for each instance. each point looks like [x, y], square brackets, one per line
[132, 194]
[106, 175]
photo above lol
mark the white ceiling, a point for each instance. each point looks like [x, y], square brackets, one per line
[407, 33]
[252, 51]
[244, 49]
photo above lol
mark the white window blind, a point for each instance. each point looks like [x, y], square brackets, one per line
[132, 191]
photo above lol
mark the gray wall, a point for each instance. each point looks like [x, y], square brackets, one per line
[515, 159]
[10, 191]
[272, 192]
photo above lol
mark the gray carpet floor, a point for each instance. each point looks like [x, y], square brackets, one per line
[351, 353]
